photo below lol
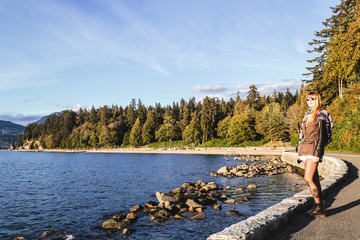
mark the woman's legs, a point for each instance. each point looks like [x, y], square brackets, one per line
[311, 177]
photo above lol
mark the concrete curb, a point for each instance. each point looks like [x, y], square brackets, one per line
[333, 170]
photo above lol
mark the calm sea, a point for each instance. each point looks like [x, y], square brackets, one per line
[75, 193]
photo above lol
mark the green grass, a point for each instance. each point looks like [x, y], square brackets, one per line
[218, 142]
[167, 144]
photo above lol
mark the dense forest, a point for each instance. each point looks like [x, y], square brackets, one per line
[253, 119]
[233, 121]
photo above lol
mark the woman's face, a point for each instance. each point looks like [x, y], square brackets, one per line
[310, 101]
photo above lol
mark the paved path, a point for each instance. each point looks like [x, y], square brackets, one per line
[342, 209]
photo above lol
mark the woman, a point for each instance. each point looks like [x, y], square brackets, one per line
[311, 150]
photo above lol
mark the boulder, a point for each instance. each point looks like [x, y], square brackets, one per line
[230, 201]
[131, 216]
[178, 216]
[127, 231]
[251, 186]
[217, 206]
[118, 217]
[161, 216]
[222, 170]
[111, 224]
[186, 185]
[223, 197]
[240, 190]
[234, 212]
[163, 197]
[211, 186]
[176, 191]
[199, 217]
[199, 183]
[193, 204]
[151, 204]
[136, 208]
[48, 233]
[199, 210]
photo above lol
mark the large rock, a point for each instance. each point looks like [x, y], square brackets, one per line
[176, 191]
[111, 224]
[163, 197]
[251, 186]
[230, 201]
[136, 208]
[217, 206]
[186, 185]
[118, 217]
[199, 217]
[131, 216]
[127, 231]
[222, 170]
[211, 186]
[48, 233]
[151, 204]
[193, 204]
[234, 212]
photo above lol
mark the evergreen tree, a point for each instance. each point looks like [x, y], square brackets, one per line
[148, 130]
[343, 56]
[252, 98]
[343, 15]
[192, 132]
[223, 127]
[167, 131]
[141, 111]
[135, 134]
[208, 118]
[131, 114]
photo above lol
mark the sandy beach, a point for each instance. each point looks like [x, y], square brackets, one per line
[210, 151]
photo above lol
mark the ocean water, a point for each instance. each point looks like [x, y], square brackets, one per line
[74, 193]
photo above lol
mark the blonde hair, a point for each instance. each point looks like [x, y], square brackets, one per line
[316, 108]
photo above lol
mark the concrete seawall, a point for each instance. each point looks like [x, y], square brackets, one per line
[333, 170]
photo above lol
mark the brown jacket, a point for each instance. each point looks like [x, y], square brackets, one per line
[314, 138]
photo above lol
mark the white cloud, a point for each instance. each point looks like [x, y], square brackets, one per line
[231, 91]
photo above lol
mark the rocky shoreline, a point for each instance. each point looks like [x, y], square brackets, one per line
[272, 166]
[186, 202]
[191, 199]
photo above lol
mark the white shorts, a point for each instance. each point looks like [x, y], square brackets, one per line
[313, 158]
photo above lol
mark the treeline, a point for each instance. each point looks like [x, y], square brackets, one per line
[233, 121]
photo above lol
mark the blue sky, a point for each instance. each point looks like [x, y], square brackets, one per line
[63, 54]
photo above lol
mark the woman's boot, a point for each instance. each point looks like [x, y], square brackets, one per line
[318, 211]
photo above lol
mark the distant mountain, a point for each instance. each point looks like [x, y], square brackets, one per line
[43, 119]
[9, 133]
